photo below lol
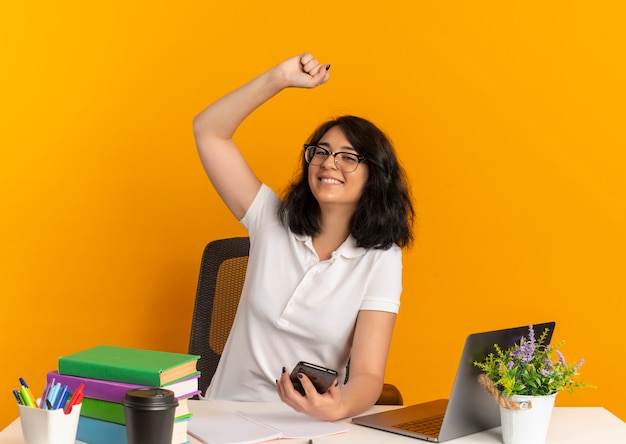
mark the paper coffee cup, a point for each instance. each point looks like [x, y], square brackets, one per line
[149, 414]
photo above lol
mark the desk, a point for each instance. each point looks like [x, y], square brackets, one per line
[569, 425]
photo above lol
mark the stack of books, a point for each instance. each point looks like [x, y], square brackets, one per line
[108, 372]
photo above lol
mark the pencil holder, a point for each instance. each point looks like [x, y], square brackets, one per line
[49, 426]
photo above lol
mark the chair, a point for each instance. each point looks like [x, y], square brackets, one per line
[222, 273]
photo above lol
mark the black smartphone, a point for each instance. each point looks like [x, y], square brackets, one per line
[321, 377]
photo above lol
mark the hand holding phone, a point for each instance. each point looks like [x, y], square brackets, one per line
[321, 377]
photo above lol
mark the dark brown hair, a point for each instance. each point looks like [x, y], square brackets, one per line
[384, 214]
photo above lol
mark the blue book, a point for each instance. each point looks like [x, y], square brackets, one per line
[95, 431]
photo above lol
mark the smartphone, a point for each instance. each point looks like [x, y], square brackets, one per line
[321, 377]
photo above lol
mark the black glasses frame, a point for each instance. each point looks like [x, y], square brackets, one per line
[307, 147]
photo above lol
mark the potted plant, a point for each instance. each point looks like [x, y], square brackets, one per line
[525, 380]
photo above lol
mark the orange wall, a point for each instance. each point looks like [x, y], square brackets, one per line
[509, 117]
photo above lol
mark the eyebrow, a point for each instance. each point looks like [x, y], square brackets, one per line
[327, 145]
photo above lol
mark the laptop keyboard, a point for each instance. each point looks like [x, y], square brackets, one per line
[427, 426]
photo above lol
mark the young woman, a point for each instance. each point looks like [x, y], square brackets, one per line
[325, 268]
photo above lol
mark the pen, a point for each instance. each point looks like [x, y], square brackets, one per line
[61, 399]
[44, 397]
[77, 397]
[53, 395]
[18, 397]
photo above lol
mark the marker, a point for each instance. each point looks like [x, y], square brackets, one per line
[27, 398]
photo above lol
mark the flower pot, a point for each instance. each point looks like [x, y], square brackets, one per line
[529, 425]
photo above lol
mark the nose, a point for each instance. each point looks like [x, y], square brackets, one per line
[333, 162]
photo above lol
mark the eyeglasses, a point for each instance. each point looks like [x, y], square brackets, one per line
[346, 162]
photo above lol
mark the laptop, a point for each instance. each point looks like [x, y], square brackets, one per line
[470, 409]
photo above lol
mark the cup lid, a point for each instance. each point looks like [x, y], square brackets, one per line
[150, 397]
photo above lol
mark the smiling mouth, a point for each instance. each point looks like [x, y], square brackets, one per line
[330, 181]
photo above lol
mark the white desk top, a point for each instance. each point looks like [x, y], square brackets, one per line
[569, 425]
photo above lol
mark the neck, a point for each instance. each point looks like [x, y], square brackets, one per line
[334, 231]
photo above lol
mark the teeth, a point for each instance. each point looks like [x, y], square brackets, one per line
[328, 180]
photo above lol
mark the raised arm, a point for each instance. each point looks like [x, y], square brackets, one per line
[214, 127]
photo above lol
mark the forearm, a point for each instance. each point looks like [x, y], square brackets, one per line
[222, 118]
[359, 394]
[368, 361]
[214, 128]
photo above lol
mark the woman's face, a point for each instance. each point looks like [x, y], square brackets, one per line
[330, 185]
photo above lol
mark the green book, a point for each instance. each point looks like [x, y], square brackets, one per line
[114, 412]
[103, 410]
[129, 365]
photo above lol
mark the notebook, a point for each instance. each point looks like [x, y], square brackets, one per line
[470, 409]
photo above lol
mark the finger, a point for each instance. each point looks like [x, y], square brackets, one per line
[288, 394]
[286, 386]
[334, 388]
[312, 66]
[306, 58]
[278, 389]
[283, 387]
[307, 385]
[313, 69]
[321, 76]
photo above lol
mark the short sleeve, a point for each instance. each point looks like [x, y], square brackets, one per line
[385, 282]
[262, 211]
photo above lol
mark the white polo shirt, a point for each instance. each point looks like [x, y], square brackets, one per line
[295, 307]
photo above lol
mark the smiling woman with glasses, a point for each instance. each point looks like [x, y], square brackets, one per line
[324, 273]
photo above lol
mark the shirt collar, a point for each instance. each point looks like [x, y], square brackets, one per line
[347, 249]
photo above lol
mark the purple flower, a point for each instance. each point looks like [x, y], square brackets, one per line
[524, 352]
[577, 366]
[531, 334]
[561, 357]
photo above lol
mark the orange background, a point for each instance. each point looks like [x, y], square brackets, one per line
[509, 117]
